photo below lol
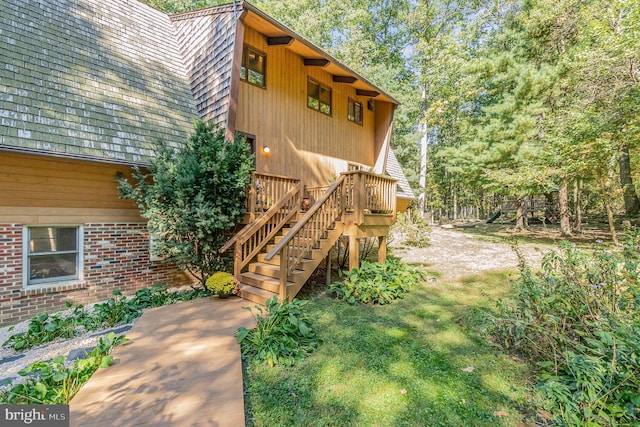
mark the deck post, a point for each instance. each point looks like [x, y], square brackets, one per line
[354, 252]
[284, 266]
[237, 260]
[252, 198]
[382, 249]
[328, 269]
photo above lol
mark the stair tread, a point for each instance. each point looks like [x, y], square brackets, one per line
[257, 276]
[257, 291]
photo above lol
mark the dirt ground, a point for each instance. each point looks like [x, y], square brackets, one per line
[455, 253]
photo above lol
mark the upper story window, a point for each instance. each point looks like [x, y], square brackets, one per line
[318, 97]
[52, 254]
[254, 67]
[355, 112]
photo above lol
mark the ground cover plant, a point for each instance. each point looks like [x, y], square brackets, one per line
[411, 363]
[283, 334]
[52, 382]
[577, 321]
[376, 283]
[116, 310]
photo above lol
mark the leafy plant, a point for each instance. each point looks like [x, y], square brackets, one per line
[223, 283]
[282, 336]
[41, 329]
[377, 283]
[53, 383]
[577, 321]
[45, 327]
[413, 230]
[193, 198]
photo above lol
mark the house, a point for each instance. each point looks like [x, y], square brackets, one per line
[89, 87]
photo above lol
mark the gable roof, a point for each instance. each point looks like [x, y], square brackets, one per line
[91, 79]
[394, 170]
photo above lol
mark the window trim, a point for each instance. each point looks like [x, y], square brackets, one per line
[28, 284]
[320, 86]
[243, 65]
[353, 102]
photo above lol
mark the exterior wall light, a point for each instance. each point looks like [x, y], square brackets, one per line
[266, 149]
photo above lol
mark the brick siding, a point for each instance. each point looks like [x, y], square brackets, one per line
[116, 256]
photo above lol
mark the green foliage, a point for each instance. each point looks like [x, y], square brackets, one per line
[578, 321]
[222, 283]
[413, 230]
[179, 6]
[193, 198]
[41, 329]
[116, 310]
[282, 335]
[55, 384]
[375, 283]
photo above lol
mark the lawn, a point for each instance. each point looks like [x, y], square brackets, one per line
[402, 364]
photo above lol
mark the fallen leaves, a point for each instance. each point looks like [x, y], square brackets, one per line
[468, 369]
[500, 414]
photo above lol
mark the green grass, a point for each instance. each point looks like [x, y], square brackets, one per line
[396, 365]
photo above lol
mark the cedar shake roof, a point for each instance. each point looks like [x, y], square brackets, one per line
[94, 79]
[394, 170]
[206, 38]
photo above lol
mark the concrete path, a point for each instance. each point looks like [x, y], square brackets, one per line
[181, 367]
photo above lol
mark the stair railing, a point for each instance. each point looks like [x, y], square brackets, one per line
[251, 239]
[301, 239]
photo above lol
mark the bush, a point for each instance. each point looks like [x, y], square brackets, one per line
[193, 198]
[578, 322]
[282, 336]
[412, 230]
[377, 283]
[222, 283]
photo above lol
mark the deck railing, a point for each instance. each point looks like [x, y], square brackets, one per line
[369, 193]
[251, 239]
[267, 189]
[297, 244]
[315, 193]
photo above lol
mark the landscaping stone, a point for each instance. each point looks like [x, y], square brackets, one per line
[11, 358]
[6, 381]
[118, 330]
[79, 353]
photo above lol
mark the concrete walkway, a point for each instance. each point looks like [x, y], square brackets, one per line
[181, 367]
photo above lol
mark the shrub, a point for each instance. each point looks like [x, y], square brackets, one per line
[412, 230]
[41, 329]
[193, 198]
[222, 283]
[578, 322]
[377, 283]
[53, 383]
[282, 335]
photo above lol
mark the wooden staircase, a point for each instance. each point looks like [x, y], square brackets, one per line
[262, 280]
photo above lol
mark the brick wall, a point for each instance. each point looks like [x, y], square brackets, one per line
[116, 256]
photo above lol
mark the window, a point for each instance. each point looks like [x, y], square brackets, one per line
[53, 254]
[318, 97]
[355, 111]
[254, 67]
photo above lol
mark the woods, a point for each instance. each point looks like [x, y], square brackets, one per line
[500, 100]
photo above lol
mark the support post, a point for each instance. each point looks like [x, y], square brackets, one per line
[284, 266]
[382, 249]
[237, 260]
[354, 252]
[328, 269]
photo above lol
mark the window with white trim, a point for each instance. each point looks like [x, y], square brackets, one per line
[52, 254]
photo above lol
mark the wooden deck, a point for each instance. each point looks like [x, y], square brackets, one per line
[181, 367]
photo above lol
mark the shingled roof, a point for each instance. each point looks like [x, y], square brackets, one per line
[394, 170]
[91, 79]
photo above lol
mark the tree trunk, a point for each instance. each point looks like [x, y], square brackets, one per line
[607, 205]
[631, 201]
[577, 208]
[563, 202]
[520, 215]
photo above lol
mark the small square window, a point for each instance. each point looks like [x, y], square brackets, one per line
[318, 97]
[355, 112]
[52, 254]
[254, 67]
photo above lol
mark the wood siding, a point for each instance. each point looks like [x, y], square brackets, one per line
[49, 190]
[305, 144]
